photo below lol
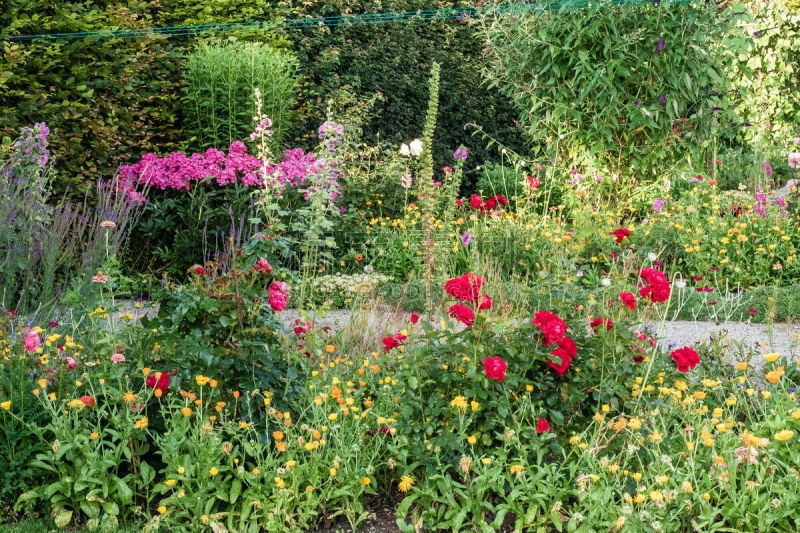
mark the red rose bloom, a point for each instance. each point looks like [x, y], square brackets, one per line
[489, 205]
[88, 401]
[620, 234]
[542, 425]
[599, 321]
[463, 314]
[159, 380]
[566, 351]
[486, 303]
[657, 288]
[685, 358]
[263, 266]
[414, 318]
[551, 326]
[628, 300]
[495, 368]
[393, 341]
[475, 201]
[466, 288]
[500, 199]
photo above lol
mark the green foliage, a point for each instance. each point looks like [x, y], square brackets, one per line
[221, 323]
[766, 76]
[104, 99]
[220, 78]
[589, 84]
[394, 61]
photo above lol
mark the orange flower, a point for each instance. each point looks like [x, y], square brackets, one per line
[774, 376]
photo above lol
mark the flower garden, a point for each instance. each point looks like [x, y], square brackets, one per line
[503, 367]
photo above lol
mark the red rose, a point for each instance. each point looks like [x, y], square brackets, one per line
[600, 321]
[565, 352]
[393, 341]
[657, 288]
[542, 425]
[628, 300]
[621, 233]
[475, 201]
[466, 288]
[159, 380]
[463, 314]
[685, 358]
[486, 303]
[500, 199]
[88, 401]
[414, 318]
[551, 326]
[495, 368]
[489, 204]
[278, 295]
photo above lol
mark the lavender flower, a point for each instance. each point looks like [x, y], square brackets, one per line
[658, 204]
[461, 153]
[465, 239]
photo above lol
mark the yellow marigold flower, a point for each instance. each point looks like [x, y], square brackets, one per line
[146, 371]
[636, 476]
[170, 482]
[655, 437]
[460, 403]
[406, 482]
[162, 509]
[474, 405]
[181, 470]
[699, 395]
[662, 479]
[201, 380]
[795, 413]
[472, 440]
[620, 424]
[279, 483]
[486, 460]
[706, 496]
[281, 446]
[784, 435]
[141, 423]
[330, 348]
[213, 383]
[365, 481]
[516, 470]
[186, 411]
[130, 397]
[771, 357]
[635, 423]
[639, 498]
[741, 366]
[213, 471]
[774, 376]
[575, 439]
[6, 405]
[686, 487]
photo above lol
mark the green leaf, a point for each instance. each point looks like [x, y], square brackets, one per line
[125, 492]
[236, 489]
[111, 508]
[147, 473]
[90, 509]
[62, 518]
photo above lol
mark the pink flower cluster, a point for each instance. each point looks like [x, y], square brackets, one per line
[177, 171]
[278, 295]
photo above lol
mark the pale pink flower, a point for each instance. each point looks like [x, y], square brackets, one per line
[794, 160]
[71, 363]
[100, 278]
[32, 341]
[108, 224]
[117, 358]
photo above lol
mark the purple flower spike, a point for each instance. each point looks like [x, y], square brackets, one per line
[662, 99]
[461, 153]
[466, 238]
[660, 46]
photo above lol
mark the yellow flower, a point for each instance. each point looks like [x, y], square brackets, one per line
[365, 481]
[472, 440]
[181, 470]
[333, 416]
[42, 383]
[213, 383]
[516, 470]
[279, 483]
[162, 509]
[141, 423]
[460, 403]
[406, 482]
[213, 471]
[330, 348]
[699, 395]
[771, 357]
[186, 411]
[474, 405]
[94, 435]
[634, 423]
[741, 366]
[170, 482]
[6, 405]
[201, 380]
[686, 486]
[784, 435]
[130, 397]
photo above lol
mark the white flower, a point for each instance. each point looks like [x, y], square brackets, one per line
[605, 282]
[652, 257]
[415, 147]
[681, 284]
[404, 150]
